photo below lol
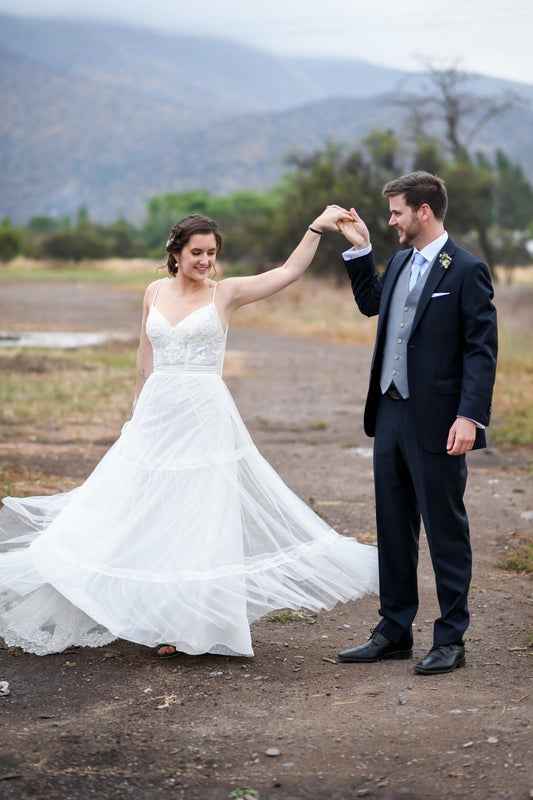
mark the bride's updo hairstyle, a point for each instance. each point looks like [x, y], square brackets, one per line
[183, 231]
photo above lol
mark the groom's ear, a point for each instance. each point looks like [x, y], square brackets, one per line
[425, 212]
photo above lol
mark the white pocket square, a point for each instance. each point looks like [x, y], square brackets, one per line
[440, 294]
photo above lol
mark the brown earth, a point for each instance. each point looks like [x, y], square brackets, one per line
[113, 723]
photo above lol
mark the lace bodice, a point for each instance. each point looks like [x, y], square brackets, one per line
[196, 343]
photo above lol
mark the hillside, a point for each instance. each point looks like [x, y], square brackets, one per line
[70, 142]
[223, 76]
[110, 116]
[65, 141]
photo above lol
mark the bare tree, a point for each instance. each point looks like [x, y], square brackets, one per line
[445, 111]
[446, 102]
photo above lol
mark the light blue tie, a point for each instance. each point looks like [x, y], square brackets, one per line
[416, 269]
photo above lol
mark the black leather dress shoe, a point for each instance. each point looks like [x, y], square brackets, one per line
[442, 658]
[378, 648]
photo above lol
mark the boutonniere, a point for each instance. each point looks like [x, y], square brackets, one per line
[445, 260]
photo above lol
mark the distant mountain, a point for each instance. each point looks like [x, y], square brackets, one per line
[343, 77]
[66, 141]
[110, 116]
[219, 75]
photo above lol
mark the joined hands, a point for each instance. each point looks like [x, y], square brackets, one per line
[349, 223]
[329, 219]
[355, 230]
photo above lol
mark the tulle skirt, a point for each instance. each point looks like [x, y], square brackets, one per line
[182, 534]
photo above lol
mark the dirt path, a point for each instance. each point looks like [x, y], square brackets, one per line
[111, 723]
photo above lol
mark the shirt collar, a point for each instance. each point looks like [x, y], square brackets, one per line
[430, 250]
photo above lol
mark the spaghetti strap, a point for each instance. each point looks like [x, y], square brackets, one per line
[216, 311]
[156, 291]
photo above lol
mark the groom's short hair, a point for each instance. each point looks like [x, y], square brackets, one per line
[419, 188]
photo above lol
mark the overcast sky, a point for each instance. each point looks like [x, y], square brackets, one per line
[488, 36]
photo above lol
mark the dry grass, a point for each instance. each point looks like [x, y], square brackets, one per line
[513, 395]
[43, 268]
[59, 386]
[132, 273]
[315, 307]
[72, 402]
[22, 482]
[520, 557]
[311, 307]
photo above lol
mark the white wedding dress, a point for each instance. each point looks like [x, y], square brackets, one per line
[183, 533]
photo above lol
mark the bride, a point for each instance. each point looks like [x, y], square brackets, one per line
[183, 534]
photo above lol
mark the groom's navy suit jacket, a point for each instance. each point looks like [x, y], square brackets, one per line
[451, 354]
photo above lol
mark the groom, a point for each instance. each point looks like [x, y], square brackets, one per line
[428, 403]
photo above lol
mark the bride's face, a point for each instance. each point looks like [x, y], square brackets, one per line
[198, 256]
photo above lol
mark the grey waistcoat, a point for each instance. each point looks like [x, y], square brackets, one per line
[399, 323]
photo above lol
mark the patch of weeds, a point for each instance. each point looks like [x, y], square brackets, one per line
[288, 615]
[262, 420]
[244, 794]
[115, 272]
[513, 389]
[318, 426]
[312, 503]
[79, 383]
[350, 445]
[520, 558]
[6, 486]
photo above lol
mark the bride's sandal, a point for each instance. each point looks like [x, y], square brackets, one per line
[158, 651]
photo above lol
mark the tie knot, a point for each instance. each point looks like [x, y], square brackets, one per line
[419, 260]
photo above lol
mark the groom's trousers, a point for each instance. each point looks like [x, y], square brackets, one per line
[411, 483]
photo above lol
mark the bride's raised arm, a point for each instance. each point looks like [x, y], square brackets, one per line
[232, 293]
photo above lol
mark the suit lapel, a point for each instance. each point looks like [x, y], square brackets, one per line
[436, 274]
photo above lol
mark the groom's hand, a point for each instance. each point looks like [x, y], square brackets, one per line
[355, 230]
[330, 218]
[461, 437]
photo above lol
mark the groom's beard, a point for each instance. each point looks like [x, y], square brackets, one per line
[409, 233]
[408, 237]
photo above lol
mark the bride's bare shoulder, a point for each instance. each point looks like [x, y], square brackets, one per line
[152, 288]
